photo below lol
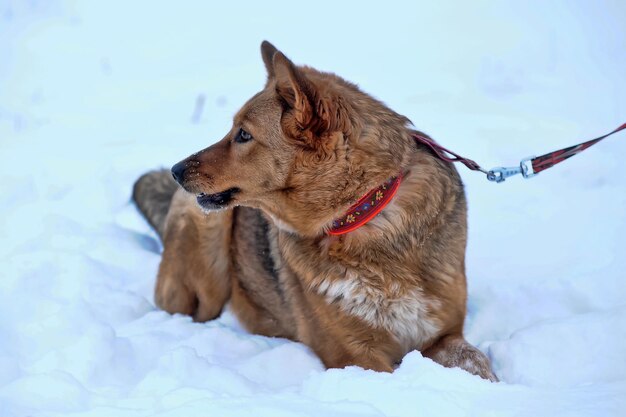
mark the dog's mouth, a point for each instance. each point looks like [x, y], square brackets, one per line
[218, 200]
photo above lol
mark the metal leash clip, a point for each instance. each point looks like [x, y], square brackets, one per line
[500, 174]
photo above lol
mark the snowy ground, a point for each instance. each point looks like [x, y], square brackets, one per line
[92, 94]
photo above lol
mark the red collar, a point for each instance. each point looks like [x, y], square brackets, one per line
[367, 207]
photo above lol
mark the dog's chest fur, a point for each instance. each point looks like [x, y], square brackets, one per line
[402, 310]
[378, 301]
[406, 314]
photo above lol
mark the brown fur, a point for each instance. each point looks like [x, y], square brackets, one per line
[365, 298]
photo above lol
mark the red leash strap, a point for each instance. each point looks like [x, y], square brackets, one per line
[528, 167]
[548, 160]
[443, 153]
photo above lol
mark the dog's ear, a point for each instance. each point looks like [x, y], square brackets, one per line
[316, 113]
[295, 89]
[267, 52]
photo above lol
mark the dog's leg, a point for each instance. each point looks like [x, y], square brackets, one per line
[194, 273]
[363, 346]
[453, 351]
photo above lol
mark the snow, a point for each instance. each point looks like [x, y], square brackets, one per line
[92, 94]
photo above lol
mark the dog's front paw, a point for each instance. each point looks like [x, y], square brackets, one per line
[485, 373]
[173, 296]
[475, 362]
[454, 351]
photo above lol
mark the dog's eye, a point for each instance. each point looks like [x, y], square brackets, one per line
[243, 136]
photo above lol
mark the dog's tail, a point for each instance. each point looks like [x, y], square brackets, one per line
[152, 193]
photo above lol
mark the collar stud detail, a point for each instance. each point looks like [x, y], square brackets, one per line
[366, 208]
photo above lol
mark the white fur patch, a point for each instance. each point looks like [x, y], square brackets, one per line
[405, 315]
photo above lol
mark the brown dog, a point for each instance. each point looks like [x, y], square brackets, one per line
[278, 193]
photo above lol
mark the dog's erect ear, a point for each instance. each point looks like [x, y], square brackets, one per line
[315, 113]
[295, 89]
[267, 52]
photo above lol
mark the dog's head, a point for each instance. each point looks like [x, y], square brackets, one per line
[303, 149]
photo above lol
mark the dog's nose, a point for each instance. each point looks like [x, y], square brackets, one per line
[178, 172]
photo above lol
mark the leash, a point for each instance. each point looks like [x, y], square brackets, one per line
[374, 201]
[528, 167]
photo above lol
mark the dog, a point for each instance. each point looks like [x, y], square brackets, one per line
[321, 220]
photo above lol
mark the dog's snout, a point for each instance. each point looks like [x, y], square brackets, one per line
[178, 172]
